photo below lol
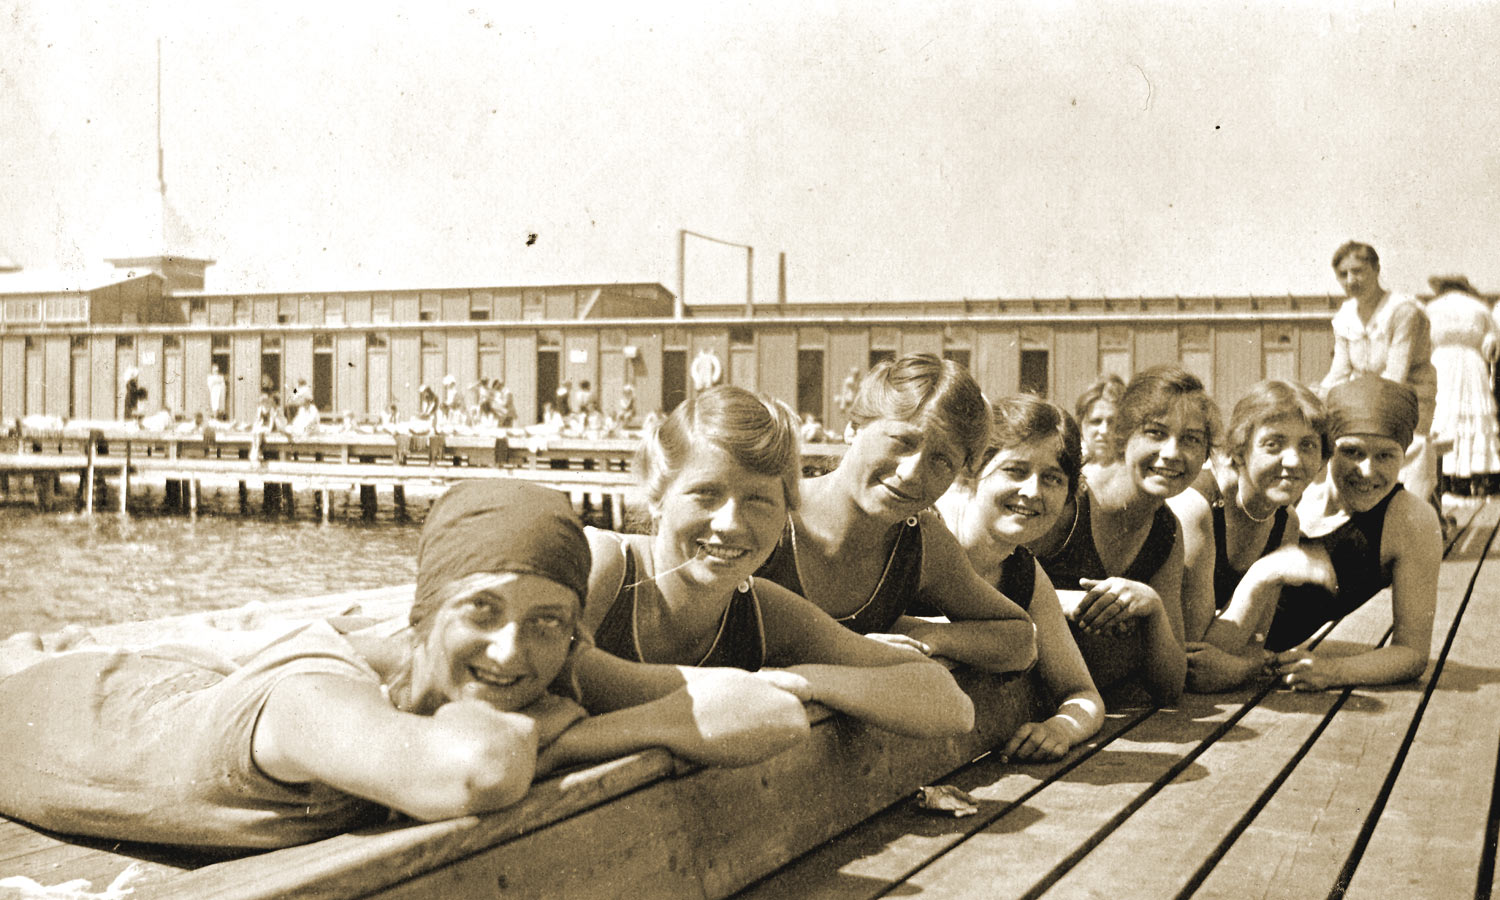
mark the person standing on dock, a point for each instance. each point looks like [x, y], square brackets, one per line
[216, 394]
[134, 396]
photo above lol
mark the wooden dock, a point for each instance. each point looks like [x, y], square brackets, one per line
[594, 471]
[1259, 793]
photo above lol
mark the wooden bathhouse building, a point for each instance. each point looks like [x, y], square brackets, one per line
[66, 344]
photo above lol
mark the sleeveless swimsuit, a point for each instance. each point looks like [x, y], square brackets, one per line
[1354, 548]
[1018, 577]
[894, 595]
[1226, 576]
[1079, 558]
[740, 642]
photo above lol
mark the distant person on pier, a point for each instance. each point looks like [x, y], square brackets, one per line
[1362, 533]
[562, 399]
[1023, 483]
[627, 412]
[315, 732]
[427, 410]
[216, 393]
[720, 475]
[865, 545]
[1384, 333]
[583, 401]
[505, 403]
[1465, 343]
[1096, 421]
[134, 396]
[306, 421]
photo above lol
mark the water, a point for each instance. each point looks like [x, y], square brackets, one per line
[58, 568]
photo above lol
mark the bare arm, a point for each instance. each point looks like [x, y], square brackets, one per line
[723, 717]
[1080, 709]
[344, 733]
[1412, 529]
[1156, 608]
[1340, 369]
[896, 689]
[1199, 554]
[985, 629]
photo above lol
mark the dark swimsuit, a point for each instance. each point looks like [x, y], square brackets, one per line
[1018, 577]
[740, 643]
[1226, 576]
[1079, 558]
[894, 595]
[1354, 549]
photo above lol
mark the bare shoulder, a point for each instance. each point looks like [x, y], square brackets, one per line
[1413, 524]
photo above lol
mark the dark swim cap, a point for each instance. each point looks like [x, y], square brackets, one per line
[1372, 405]
[499, 525]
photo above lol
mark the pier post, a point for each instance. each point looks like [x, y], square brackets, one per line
[244, 499]
[42, 481]
[125, 483]
[327, 499]
[399, 499]
[369, 504]
[88, 489]
[193, 497]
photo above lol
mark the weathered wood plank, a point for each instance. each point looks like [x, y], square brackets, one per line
[1300, 840]
[879, 853]
[1429, 840]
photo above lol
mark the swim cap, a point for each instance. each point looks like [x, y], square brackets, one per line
[1372, 405]
[500, 525]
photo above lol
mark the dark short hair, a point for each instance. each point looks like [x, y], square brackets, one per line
[1024, 419]
[1156, 390]
[1362, 250]
[1274, 399]
[906, 387]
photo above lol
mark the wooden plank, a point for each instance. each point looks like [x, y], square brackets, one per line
[1298, 843]
[878, 854]
[1025, 848]
[1429, 840]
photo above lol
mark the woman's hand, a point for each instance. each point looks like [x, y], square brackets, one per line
[553, 715]
[1037, 742]
[1109, 604]
[1211, 670]
[902, 641]
[1300, 670]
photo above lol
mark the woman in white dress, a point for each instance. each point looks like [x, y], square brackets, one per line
[1464, 343]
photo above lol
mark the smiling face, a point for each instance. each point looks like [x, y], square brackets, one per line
[1098, 432]
[1364, 468]
[717, 520]
[1282, 457]
[501, 639]
[1022, 491]
[1168, 450]
[898, 467]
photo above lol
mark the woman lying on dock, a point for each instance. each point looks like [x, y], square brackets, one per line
[1244, 506]
[318, 732]
[719, 475]
[1025, 480]
[1363, 532]
[1121, 545]
[865, 546]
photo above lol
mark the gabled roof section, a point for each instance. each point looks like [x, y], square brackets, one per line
[56, 281]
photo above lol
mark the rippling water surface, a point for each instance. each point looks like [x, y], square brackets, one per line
[58, 568]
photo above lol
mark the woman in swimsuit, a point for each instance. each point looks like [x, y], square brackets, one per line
[1120, 543]
[1029, 472]
[1363, 532]
[720, 475]
[1242, 507]
[315, 732]
[865, 545]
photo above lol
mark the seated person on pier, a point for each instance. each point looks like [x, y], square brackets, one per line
[720, 475]
[865, 545]
[317, 732]
[1362, 533]
[1120, 543]
[1024, 481]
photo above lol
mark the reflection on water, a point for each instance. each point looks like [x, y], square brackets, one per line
[59, 568]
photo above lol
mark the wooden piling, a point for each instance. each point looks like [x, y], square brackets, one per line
[125, 483]
[193, 497]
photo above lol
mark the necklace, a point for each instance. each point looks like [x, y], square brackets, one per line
[1239, 501]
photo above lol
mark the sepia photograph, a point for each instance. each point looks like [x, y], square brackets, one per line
[759, 450]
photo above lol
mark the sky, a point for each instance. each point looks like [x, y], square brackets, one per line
[891, 150]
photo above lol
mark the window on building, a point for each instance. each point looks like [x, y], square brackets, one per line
[1034, 373]
[810, 383]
